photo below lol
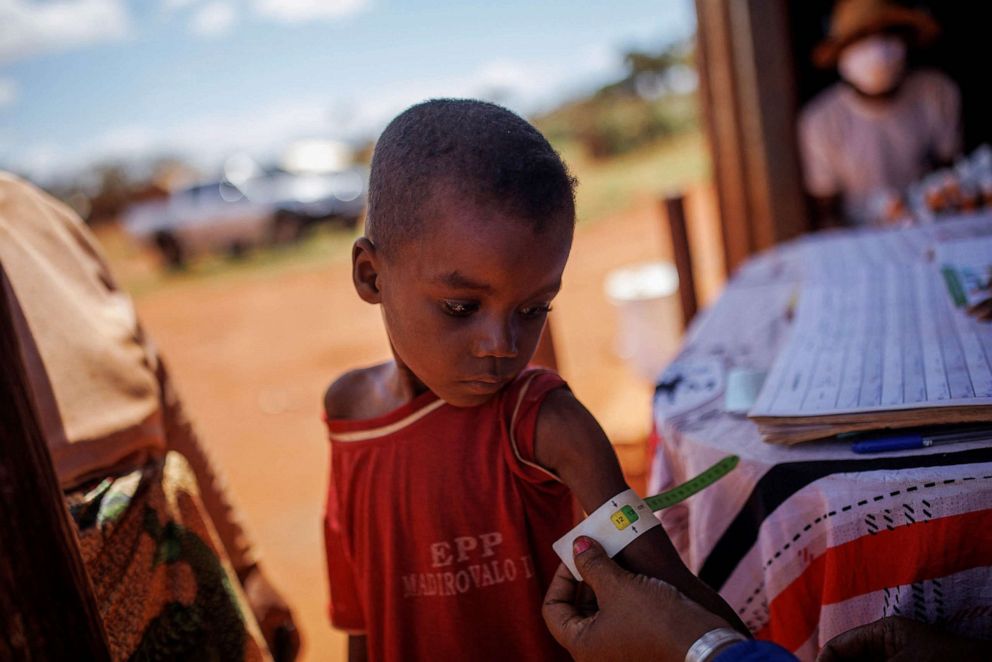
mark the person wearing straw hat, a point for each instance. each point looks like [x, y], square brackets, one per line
[883, 126]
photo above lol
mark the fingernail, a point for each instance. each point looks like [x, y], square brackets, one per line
[580, 545]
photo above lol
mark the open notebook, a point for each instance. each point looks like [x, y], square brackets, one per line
[878, 344]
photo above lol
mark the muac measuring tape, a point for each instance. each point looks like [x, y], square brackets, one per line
[623, 519]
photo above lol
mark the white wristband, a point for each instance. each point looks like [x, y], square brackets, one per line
[704, 647]
[614, 525]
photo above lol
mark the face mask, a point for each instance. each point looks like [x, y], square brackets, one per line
[873, 65]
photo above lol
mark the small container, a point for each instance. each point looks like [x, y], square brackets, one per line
[649, 319]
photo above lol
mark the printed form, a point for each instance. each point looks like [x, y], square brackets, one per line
[876, 330]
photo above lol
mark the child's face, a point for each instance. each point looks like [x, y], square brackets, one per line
[464, 303]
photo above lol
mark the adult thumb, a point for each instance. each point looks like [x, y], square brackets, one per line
[598, 570]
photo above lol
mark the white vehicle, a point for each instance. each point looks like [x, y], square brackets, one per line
[212, 216]
[301, 200]
[219, 216]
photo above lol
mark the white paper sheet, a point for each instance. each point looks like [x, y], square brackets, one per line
[877, 335]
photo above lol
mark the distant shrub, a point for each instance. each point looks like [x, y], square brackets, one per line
[610, 125]
[656, 98]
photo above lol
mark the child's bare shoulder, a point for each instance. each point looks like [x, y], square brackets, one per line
[357, 394]
[567, 434]
[564, 421]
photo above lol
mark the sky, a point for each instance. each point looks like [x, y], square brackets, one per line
[87, 81]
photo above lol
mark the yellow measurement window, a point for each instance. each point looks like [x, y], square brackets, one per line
[623, 518]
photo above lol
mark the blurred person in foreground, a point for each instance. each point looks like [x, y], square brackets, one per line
[172, 570]
[633, 618]
[865, 139]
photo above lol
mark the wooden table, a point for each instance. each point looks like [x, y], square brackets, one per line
[811, 540]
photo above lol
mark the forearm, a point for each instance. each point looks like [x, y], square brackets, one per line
[653, 554]
[575, 447]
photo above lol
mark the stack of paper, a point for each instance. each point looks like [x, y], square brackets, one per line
[877, 345]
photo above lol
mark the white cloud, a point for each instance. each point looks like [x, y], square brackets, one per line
[213, 137]
[206, 141]
[213, 19]
[173, 5]
[124, 141]
[261, 132]
[38, 161]
[523, 86]
[526, 87]
[299, 11]
[599, 59]
[28, 28]
[8, 92]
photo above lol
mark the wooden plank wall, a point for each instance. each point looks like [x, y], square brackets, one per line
[749, 99]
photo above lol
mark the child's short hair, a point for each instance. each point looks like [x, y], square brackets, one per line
[462, 147]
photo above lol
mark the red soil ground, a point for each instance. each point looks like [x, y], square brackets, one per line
[252, 356]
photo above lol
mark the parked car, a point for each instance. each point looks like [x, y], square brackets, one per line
[219, 216]
[300, 201]
[210, 216]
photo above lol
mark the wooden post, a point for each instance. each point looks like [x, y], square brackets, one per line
[47, 608]
[675, 212]
[750, 103]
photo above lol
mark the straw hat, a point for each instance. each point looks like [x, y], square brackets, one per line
[853, 19]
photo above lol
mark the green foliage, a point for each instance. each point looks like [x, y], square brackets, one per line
[611, 186]
[614, 126]
[642, 107]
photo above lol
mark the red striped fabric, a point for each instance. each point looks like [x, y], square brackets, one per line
[924, 550]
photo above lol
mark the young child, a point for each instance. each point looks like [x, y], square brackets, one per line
[453, 465]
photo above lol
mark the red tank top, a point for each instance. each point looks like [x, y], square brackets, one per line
[439, 527]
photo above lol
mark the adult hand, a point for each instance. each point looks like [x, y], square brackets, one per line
[638, 618]
[273, 615]
[897, 638]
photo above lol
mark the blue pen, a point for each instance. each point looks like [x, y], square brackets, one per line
[899, 442]
[913, 441]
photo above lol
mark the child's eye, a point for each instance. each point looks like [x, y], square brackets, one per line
[459, 308]
[531, 312]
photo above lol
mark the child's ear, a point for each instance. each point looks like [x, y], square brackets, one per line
[365, 270]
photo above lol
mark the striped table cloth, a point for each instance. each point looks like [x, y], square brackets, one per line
[808, 541]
